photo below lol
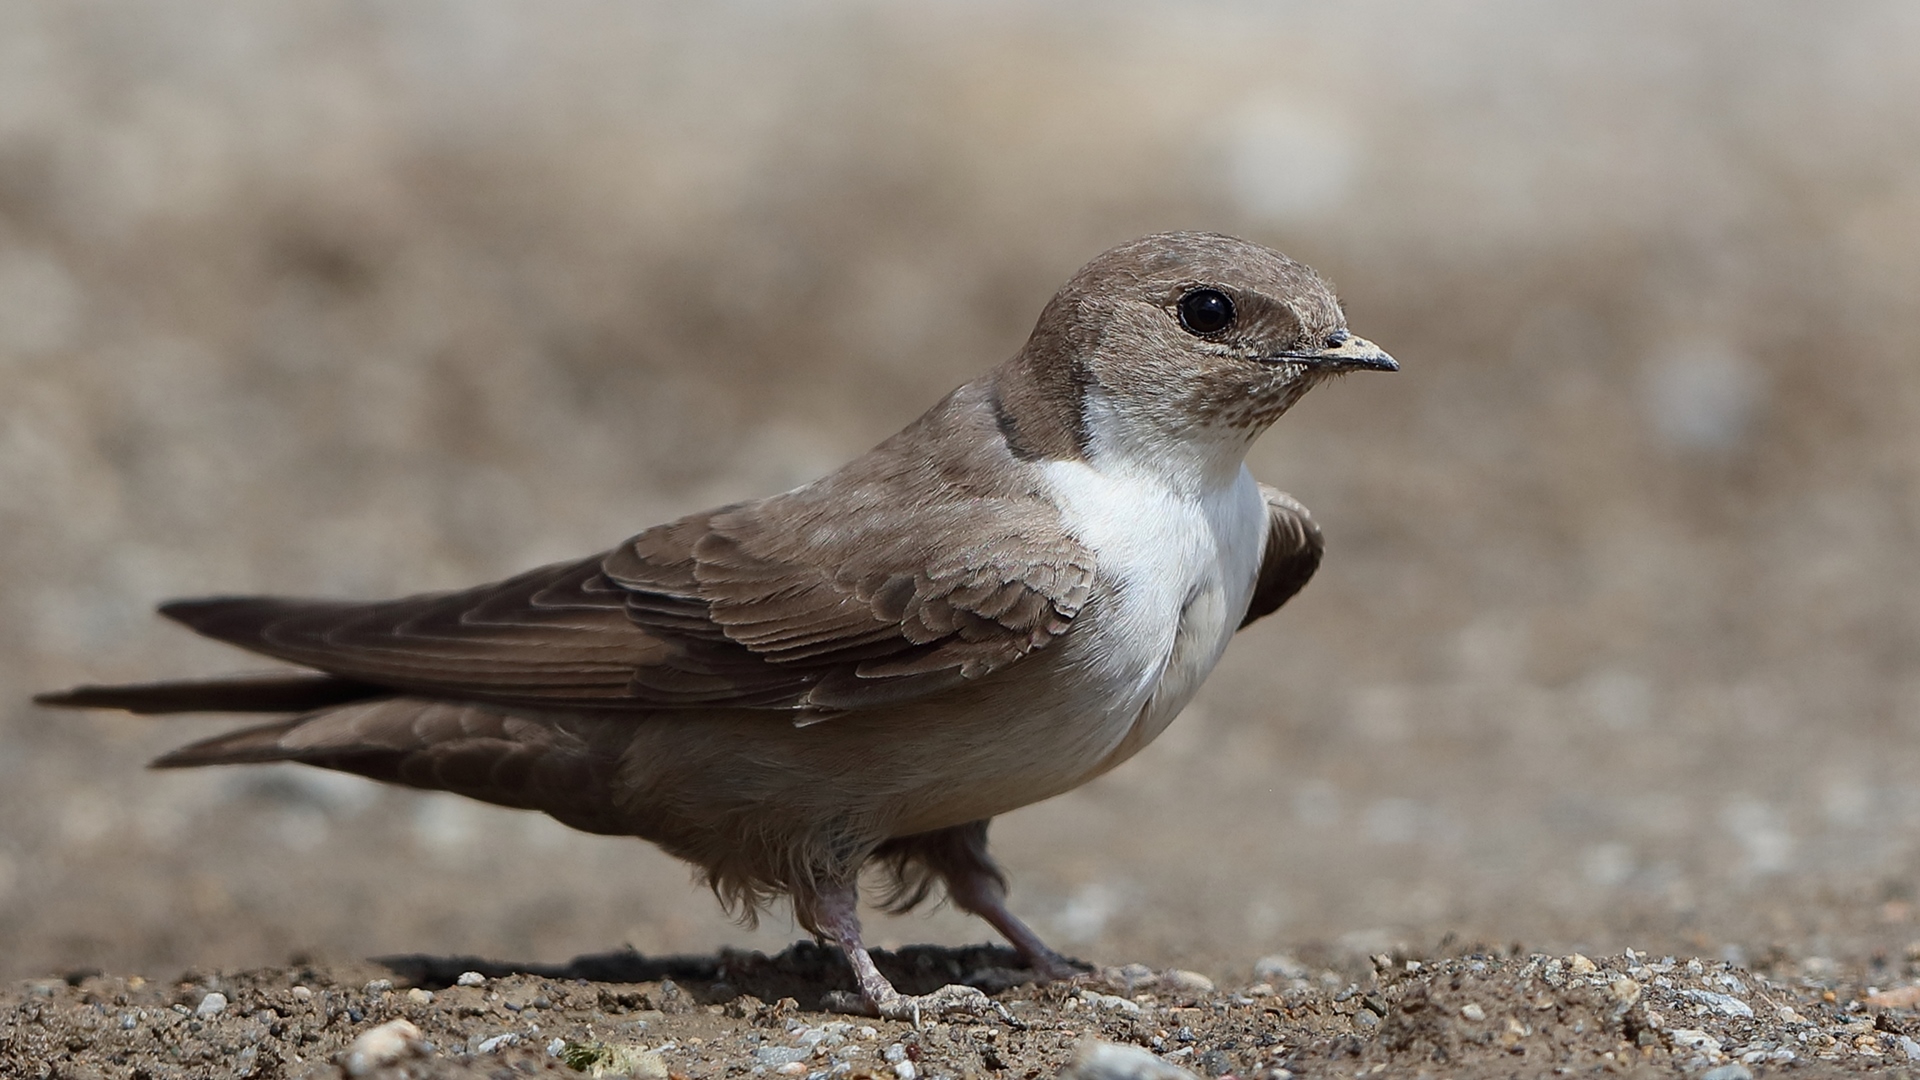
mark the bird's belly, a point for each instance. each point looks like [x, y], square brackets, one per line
[1053, 737]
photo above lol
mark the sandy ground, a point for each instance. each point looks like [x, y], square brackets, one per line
[1466, 1012]
[1617, 645]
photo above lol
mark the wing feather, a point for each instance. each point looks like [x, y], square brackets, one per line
[1292, 554]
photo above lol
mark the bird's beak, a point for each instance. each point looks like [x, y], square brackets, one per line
[1345, 352]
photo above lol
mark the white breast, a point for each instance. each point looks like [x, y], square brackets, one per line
[1180, 566]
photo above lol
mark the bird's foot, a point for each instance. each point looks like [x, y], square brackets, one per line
[1051, 967]
[950, 1000]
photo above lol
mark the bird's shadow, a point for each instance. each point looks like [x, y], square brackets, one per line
[805, 972]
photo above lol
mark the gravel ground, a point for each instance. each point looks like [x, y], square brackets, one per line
[1462, 1012]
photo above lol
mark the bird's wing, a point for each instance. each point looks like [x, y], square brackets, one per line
[1291, 556]
[794, 602]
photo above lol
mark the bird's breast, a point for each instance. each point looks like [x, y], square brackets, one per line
[1175, 574]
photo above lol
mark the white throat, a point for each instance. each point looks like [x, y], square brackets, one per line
[1192, 462]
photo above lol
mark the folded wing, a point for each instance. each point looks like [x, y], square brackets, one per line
[795, 602]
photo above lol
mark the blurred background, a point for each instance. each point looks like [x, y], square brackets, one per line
[1617, 642]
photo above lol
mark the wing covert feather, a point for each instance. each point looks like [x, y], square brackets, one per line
[1292, 554]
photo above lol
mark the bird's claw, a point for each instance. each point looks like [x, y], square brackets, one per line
[1054, 968]
[949, 1000]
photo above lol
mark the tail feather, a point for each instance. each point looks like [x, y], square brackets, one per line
[248, 746]
[237, 693]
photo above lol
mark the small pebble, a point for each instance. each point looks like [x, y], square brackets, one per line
[302, 993]
[212, 1005]
[776, 1057]
[903, 1070]
[380, 1047]
[1725, 1004]
[1900, 997]
[793, 1068]
[1192, 981]
[1107, 1001]
[1472, 1011]
[1580, 965]
[894, 1054]
[470, 978]
[488, 1046]
[1731, 1071]
[1694, 1039]
[419, 996]
[377, 987]
[1624, 990]
[1097, 1060]
[1279, 966]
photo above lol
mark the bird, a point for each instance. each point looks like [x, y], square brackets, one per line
[1006, 599]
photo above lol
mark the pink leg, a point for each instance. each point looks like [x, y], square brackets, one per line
[984, 895]
[835, 915]
[958, 857]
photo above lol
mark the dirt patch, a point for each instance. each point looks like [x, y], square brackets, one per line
[1471, 1014]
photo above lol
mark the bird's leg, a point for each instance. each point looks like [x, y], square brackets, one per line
[835, 915]
[976, 886]
[985, 895]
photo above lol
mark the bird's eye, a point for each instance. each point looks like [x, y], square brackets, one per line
[1206, 311]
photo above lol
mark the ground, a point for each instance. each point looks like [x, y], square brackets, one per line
[1459, 1012]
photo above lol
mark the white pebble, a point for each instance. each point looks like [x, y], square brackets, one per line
[895, 1054]
[1192, 981]
[1472, 1011]
[498, 1042]
[377, 1048]
[302, 993]
[470, 978]
[1726, 1004]
[903, 1070]
[556, 1047]
[419, 996]
[1694, 1039]
[778, 1057]
[1279, 967]
[377, 987]
[1096, 1060]
[1107, 1001]
[212, 1005]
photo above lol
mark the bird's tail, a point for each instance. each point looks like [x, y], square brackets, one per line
[233, 693]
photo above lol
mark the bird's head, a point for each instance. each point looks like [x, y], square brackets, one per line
[1183, 344]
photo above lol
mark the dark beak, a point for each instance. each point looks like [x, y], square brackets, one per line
[1345, 352]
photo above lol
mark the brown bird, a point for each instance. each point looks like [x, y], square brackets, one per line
[1008, 598]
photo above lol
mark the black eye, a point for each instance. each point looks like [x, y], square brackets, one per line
[1206, 311]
